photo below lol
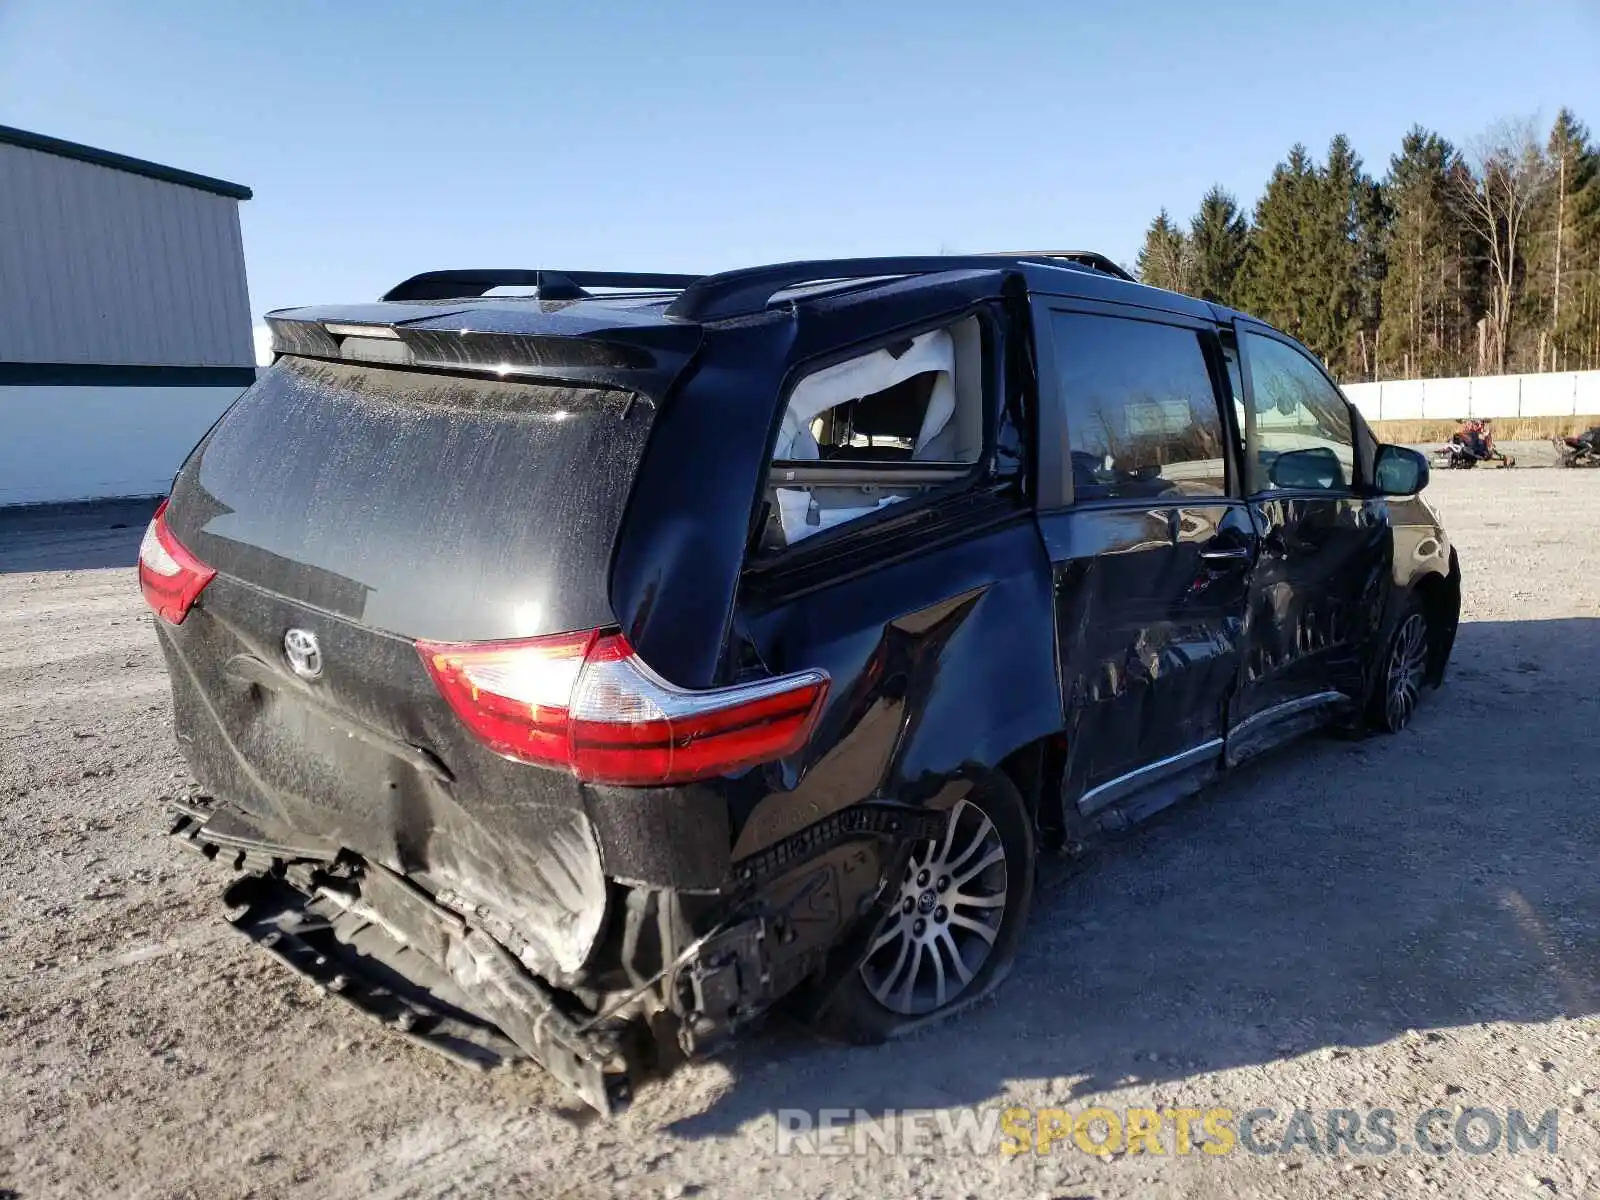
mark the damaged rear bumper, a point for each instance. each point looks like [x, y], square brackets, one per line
[376, 940]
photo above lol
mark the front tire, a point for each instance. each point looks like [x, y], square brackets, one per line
[1402, 671]
[952, 934]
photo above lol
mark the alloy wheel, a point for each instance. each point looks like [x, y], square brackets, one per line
[1408, 663]
[943, 926]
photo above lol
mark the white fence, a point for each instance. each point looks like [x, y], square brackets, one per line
[1557, 394]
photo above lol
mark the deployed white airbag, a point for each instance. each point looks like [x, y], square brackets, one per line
[858, 377]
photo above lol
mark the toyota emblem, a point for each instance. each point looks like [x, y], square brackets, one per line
[304, 654]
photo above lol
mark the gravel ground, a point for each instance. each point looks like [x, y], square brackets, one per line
[1397, 922]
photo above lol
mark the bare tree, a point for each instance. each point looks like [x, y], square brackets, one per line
[1167, 258]
[1177, 264]
[1508, 175]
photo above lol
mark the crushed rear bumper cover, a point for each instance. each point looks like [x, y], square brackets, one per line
[378, 941]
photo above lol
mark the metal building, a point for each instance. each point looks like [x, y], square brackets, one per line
[124, 318]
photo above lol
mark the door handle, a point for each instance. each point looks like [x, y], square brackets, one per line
[1226, 554]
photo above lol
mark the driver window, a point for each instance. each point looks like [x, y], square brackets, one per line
[1297, 426]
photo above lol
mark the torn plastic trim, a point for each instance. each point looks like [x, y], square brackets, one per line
[402, 957]
[381, 943]
[900, 824]
[317, 940]
[219, 832]
[468, 996]
[888, 820]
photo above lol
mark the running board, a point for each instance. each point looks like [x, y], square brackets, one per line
[1114, 793]
[1142, 805]
[1272, 727]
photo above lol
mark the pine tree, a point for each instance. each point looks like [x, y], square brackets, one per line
[1428, 309]
[1373, 219]
[1445, 267]
[1565, 252]
[1275, 284]
[1166, 260]
[1329, 256]
[1578, 330]
[1218, 236]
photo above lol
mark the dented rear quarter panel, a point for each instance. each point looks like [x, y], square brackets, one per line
[935, 626]
[941, 663]
[679, 561]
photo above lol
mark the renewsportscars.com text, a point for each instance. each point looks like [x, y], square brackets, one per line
[1165, 1131]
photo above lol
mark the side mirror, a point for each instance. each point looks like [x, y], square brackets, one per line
[1399, 471]
[1315, 468]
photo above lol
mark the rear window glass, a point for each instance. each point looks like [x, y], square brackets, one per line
[1142, 415]
[426, 504]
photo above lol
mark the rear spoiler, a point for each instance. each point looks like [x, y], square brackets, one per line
[610, 348]
[551, 285]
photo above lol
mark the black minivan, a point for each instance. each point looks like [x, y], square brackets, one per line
[574, 674]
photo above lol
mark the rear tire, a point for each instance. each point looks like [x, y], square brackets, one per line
[958, 915]
[1402, 670]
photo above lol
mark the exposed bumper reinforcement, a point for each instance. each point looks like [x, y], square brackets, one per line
[377, 941]
[370, 937]
[425, 975]
[303, 934]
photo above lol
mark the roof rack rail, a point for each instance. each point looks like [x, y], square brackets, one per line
[551, 285]
[750, 289]
[1084, 258]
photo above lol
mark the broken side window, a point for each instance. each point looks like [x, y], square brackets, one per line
[876, 429]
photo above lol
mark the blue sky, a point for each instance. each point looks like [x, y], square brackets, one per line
[384, 139]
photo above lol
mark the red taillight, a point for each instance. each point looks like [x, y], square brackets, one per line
[170, 577]
[586, 703]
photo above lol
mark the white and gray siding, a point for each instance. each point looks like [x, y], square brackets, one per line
[124, 318]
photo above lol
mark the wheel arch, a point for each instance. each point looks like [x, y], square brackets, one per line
[1440, 598]
[1036, 768]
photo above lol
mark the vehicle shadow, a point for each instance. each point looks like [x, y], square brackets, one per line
[73, 537]
[1334, 894]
